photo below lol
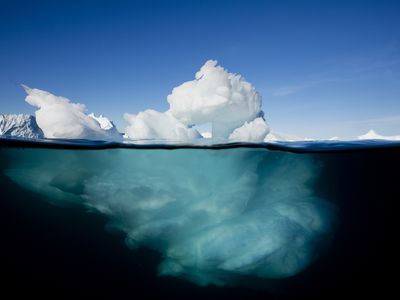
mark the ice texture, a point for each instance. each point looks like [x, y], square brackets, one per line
[151, 124]
[58, 117]
[254, 131]
[372, 135]
[23, 126]
[214, 215]
[215, 96]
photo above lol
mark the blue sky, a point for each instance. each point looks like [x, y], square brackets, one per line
[324, 68]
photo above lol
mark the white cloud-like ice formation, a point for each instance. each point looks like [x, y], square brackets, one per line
[57, 117]
[151, 124]
[253, 213]
[225, 100]
[216, 96]
[254, 131]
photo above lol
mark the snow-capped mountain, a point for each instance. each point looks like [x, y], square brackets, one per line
[108, 125]
[372, 135]
[20, 126]
[274, 136]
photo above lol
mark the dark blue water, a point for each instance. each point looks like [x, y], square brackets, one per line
[287, 220]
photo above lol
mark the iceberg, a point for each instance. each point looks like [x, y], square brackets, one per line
[214, 215]
[108, 125]
[151, 124]
[58, 117]
[225, 100]
[254, 131]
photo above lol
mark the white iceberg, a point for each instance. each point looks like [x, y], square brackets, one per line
[254, 131]
[217, 96]
[151, 124]
[214, 216]
[58, 117]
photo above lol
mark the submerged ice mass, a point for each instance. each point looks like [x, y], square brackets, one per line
[214, 215]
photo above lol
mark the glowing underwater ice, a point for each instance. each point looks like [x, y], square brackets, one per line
[214, 215]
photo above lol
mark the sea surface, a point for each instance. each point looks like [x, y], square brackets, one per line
[204, 220]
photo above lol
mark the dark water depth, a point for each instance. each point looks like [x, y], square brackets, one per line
[274, 222]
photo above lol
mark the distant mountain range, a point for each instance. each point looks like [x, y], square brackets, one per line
[21, 125]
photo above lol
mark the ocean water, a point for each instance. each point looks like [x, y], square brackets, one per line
[281, 220]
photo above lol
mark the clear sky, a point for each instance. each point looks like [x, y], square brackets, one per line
[324, 68]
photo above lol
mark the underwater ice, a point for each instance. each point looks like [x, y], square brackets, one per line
[214, 215]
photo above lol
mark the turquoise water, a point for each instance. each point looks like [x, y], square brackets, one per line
[245, 220]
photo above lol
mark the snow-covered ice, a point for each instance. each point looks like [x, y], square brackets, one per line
[58, 117]
[23, 126]
[225, 99]
[215, 96]
[151, 124]
[372, 135]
